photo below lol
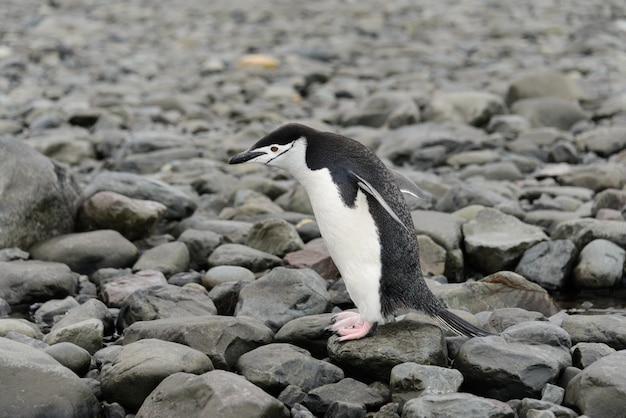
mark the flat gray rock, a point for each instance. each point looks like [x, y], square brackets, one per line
[412, 380]
[456, 405]
[31, 281]
[140, 366]
[488, 370]
[179, 205]
[321, 400]
[217, 393]
[86, 252]
[499, 290]
[59, 393]
[244, 256]
[393, 344]
[607, 329]
[282, 295]
[224, 339]
[273, 367]
[166, 301]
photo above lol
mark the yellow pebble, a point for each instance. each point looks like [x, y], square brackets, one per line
[258, 60]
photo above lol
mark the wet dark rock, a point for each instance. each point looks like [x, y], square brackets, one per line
[323, 400]
[393, 344]
[487, 369]
[273, 367]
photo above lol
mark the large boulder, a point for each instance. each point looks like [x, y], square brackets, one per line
[600, 389]
[39, 196]
[139, 367]
[36, 385]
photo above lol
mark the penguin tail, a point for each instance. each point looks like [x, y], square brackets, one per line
[460, 325]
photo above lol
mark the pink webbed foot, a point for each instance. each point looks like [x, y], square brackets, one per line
[351, 326]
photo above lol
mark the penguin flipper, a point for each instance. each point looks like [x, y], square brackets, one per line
[460, 325]
[407, 186]
[369, 189]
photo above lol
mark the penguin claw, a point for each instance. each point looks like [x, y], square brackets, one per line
[351, 326]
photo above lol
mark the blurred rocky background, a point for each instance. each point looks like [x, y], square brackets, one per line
[140, 274]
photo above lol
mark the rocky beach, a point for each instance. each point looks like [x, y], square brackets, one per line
[142, 275]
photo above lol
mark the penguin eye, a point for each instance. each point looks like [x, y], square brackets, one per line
[274, 148]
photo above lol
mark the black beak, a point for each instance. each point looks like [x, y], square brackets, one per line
[242, 157]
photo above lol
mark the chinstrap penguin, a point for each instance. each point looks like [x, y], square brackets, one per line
[364, 221]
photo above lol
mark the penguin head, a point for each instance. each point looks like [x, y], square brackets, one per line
[284, 147]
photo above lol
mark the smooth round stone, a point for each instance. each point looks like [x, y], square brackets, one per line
[223, 274]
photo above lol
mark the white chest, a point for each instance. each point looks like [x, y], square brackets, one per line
[351, 237]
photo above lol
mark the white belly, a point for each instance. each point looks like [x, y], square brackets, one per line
[351, 237]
